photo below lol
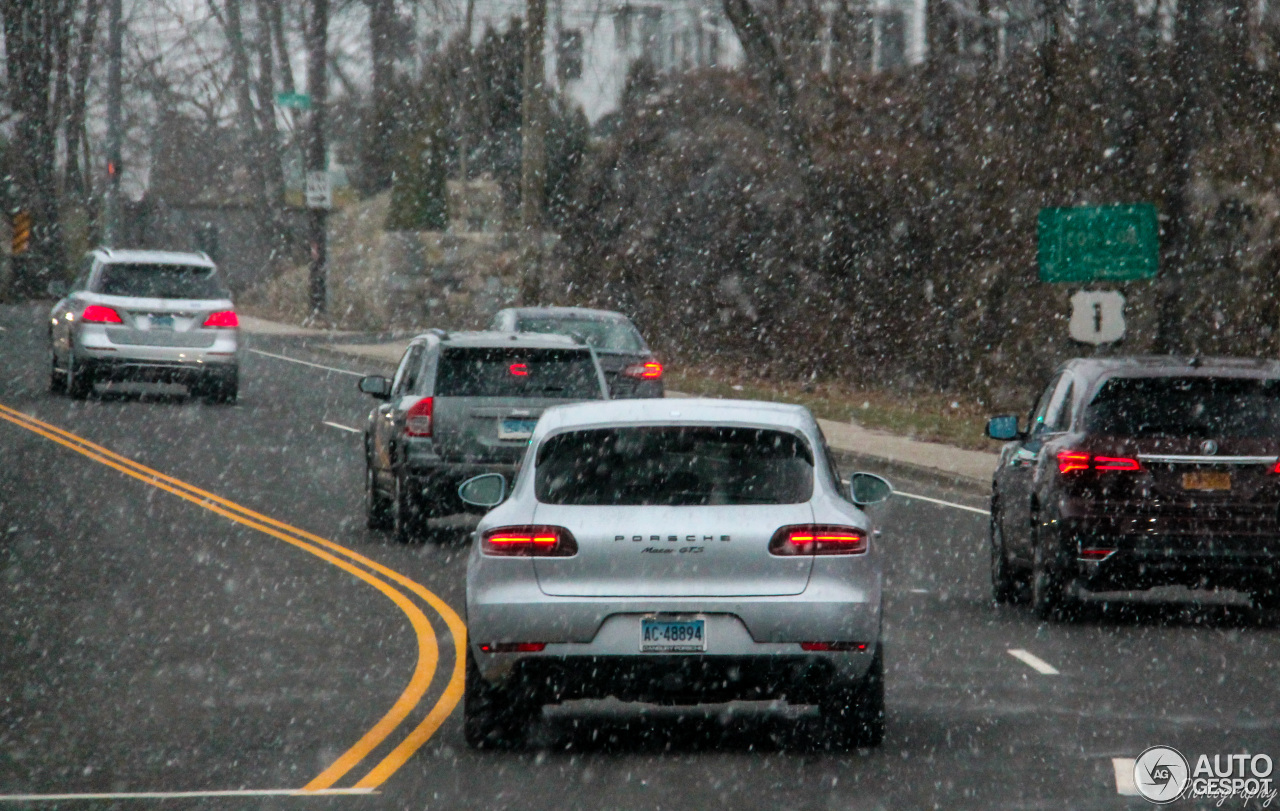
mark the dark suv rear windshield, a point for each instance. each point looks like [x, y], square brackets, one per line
[1197, 407]
[161, 281]
[517, 372]
[674, 466]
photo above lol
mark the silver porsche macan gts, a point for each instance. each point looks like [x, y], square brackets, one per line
[676, 552]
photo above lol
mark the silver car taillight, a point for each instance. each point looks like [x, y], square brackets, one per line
[529, 542]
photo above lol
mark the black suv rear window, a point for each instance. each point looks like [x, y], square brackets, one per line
[676, 466]
[517, 372]
[160, 281]
[1199, 407]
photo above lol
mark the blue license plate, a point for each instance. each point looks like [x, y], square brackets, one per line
[673, 636]
[511, 428]
[162, 322]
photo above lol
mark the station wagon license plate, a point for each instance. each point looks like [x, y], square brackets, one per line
[514, 428]
[672, 636]
[1206, 480]
[161, 322]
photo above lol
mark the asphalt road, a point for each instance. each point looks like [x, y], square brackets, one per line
[191, 603]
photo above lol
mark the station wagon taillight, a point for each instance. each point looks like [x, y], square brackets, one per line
[418, 421]
[222, 318]
[529, 542]
[818, 539]
[1072, 461]
[649, 370]
[97, 314]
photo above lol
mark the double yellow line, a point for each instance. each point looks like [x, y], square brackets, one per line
[397, 588]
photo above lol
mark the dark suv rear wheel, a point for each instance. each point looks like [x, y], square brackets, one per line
[1051, 597]
[1006, 586]
[377, 507]
[407, 520]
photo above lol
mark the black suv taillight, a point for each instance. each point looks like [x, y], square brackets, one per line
[1073, 461]
[529, 542]
[818, 539]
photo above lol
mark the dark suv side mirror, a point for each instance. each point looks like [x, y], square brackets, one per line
[1004, 428]
[376, 386]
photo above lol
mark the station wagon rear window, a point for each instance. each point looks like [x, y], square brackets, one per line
[517, 372]
[160, 281]
[603, 335]
[1197, 407]
[674, 466]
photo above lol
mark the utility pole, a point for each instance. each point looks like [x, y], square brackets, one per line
[533, 154]
[115, 98]
[317, 159]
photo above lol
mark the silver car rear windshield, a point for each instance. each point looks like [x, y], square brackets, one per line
[602, 335]
[517, 372]
[1197, 407]
[674, 466]
[160, 281]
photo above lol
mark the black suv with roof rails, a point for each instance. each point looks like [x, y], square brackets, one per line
[1140, 472]
[462, 404]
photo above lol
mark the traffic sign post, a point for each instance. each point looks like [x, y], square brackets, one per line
[1098, 243]
[319, 191]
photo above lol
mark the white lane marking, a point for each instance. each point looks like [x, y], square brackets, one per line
[177, 795]
[943, 503]
[341, 427]
[307, 363]
[1033, 661]
[1124, 776]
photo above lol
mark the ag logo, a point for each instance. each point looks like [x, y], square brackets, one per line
[1161, 774]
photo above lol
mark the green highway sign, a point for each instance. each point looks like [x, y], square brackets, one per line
[298, 101]
[1098, 243]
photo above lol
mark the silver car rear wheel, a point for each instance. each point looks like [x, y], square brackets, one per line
[79, 379]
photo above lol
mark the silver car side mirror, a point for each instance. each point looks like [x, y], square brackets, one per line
[485, 490]
[375, 386]
[866, 489]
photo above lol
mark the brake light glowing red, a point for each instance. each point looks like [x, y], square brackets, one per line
[222, 318]
[818, 539]
[1071, 461]
[529, 541]
[649, 370]
[519, 369]
[97, 314]
[1276, 467]
[418, 421]
[514, 647]
[833, 646]
[1096, 554]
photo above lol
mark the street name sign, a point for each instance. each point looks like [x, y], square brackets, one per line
[297, 101]
[1098, 243]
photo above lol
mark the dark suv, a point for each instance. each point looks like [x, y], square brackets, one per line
[460, 405]
[1140, 472]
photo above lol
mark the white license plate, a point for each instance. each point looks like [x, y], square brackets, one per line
[673, 636]
[511, 428]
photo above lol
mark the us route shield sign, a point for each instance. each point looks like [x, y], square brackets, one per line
[1098, 243]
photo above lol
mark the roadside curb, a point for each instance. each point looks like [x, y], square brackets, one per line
[850, 461]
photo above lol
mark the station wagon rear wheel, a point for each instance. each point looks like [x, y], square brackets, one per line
[493, 717]
[853, 715]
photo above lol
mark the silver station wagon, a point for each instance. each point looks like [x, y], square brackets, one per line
[675, 552]
[151, 316]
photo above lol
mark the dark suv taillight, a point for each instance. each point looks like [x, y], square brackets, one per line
[1073, 461]
[418, 421]
[529, 542]
[818, 539]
